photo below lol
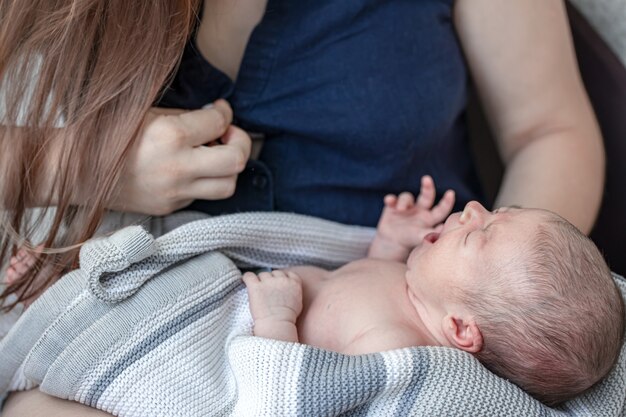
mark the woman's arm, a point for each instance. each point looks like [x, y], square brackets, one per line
[35, 403]
[521, 57]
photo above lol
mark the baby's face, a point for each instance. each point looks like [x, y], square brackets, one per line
[470, 244]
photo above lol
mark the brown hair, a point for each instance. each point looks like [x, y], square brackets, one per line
[77, 78]
[555, 325]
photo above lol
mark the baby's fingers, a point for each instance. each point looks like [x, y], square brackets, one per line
[406, 201]
[402, 202]
[390, 200]
[250, 278]
[441, 211]
[426, 198]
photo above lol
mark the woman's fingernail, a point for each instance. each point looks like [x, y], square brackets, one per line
[208, 106]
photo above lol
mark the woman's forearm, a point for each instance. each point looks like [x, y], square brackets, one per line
[523, 64]
[562, 171]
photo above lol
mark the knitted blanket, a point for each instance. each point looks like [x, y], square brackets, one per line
[161, 327]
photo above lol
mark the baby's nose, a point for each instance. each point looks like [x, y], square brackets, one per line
[473, 211]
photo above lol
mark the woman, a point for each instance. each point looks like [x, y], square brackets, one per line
[355, 98]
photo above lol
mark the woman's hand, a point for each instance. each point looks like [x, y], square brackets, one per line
[181, 156]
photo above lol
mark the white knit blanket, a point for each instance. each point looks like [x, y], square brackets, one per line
[170, 335]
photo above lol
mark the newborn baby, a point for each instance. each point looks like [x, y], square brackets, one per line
[522, 289]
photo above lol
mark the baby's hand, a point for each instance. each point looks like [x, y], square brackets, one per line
[406, 220]
[275, 303]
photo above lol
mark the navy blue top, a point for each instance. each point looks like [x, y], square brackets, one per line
[356, 98]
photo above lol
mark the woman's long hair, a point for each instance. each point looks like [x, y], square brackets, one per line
[76, 80]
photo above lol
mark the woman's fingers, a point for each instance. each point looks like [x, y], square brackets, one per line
[169, 166]
[210, 172]
[21, 263]
[238, 139]
[200, 127]
[223, 160]
[209, 188]
[213, 161]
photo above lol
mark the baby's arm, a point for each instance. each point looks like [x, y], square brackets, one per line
[275, 303]
[406, 220]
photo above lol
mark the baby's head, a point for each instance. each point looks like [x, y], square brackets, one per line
[527, 293]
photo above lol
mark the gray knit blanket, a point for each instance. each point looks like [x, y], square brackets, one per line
[161, 327]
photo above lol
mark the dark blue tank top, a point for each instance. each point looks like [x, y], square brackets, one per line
[356, 99]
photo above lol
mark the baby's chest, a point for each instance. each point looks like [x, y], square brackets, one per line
[346, 307]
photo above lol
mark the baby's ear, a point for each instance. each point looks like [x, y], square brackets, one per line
[462, 333]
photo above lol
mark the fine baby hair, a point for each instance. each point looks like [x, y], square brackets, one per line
[552, 317]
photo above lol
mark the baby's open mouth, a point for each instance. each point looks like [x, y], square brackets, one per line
[432, 237]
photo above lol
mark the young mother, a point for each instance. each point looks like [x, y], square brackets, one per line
[355, 98]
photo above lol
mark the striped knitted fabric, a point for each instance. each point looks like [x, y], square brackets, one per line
[161, 327]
